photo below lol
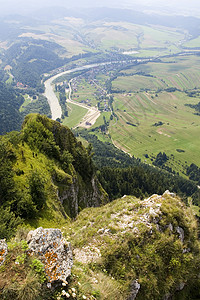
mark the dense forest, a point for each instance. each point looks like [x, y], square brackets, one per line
[10, 102]
[31, 58]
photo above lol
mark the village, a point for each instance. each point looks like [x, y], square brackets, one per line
[91, 87]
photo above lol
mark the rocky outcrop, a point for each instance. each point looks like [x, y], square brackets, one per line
[3, 251]
[135, 287]
[180, 231]
[79, 195]
[53, 250]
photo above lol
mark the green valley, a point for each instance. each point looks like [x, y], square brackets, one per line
[99, 152]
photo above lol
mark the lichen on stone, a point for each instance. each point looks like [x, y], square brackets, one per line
[3, 251]
[53, 250]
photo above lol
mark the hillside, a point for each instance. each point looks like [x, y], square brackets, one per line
[127, 249]
[46, 176]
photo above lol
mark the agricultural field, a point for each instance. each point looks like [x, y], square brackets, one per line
[84, 91]
[164, 123]
[76, 37]
[194, 43]
[150, 115]
[180, 72]
[150, 41]
[136, 83]
[75, 115]
[151, 120]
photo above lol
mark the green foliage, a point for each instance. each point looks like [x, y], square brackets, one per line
[38, 166]
[23, 276]
[31, 58]
[66, 159]
[193, 171]
[8, 223]
[20, 259]
[38, 268]
[161, 159]
[37, 189]
[39, 106]
[39, 137]
[10, 102]
[29, 290]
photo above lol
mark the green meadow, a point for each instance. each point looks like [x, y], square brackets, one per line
[193, 43]
[85, 92]
[137, 133]
[153, 119]
[75, 115]
[149, 41]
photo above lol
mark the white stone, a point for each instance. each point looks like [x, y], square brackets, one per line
[53, 250]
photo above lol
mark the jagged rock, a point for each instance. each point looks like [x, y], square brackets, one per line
[81, 194]
[180, 231]
[170, 227]
[135, 287]
[53, 250]
[3, 251]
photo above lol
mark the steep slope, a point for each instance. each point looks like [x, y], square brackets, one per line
[46, 175]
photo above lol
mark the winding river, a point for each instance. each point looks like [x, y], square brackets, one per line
[55, 107]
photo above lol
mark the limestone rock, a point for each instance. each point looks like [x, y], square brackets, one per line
[135, 287]
[53, 250]
[3, 251]
[180, 231]
[167, 192]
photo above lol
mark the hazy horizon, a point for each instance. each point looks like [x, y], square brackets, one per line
[175, 6]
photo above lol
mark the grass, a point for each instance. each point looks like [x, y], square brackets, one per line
[26, 161]
[113, 246]
[128, 36]
[10, 79]
[143, 111]
[136, 83]
[76, 113]
[194, 43]
[85, 92]
[138, 110]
